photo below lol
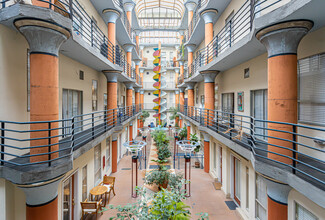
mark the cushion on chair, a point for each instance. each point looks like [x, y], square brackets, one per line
[108, 187]
[89, 210]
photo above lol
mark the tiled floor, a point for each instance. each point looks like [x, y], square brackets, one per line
[204, 197]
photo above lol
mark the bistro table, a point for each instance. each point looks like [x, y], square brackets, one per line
[98, 191]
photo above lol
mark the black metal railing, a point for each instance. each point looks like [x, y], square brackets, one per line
[127, 24]
[198, 61]
[297, 153]
[47, 142]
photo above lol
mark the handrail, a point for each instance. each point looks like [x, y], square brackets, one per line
[56, 139]
[257, 134]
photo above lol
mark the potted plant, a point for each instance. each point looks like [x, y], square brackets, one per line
[159, 177]
[182, 133]
[174, 115]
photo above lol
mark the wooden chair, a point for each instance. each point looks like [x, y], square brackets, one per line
[90, 207]
[238, 127]
[59, 8]
[109, 182]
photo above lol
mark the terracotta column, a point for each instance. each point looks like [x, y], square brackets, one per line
[190, 97]
[141, 70]
[208, 16]
[182, 99]
[137, 71]
[181, 37]
[131, 131]
[209, 94]
[128, 48]
[137, 41]
[190, 8]
[137, 98]
[206, 152]
[112, 113]
[44, 106]
[190, 49]
[188, 131]
[114, 152]
[142, 99]
[112, 15]
[129, 95]
[129, 8]
[281, 41]
[141, 54]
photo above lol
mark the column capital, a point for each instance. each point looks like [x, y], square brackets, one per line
[277, 191]
[176, 92]
[206, 136]
[128, 47]
[182, 90]
[137, 32]
[141, 92]
[112, 75]
[209, 15]
[111, 15]
[141, 69]
[115, 136]
[190, 5]
[129, 6]
[181, 32]
[137, 62]
[177, 70]
[190, 85]
[283, 38]
[137, 89]
[42, 36]
[209, 75]
[129, 85]
[190, 47]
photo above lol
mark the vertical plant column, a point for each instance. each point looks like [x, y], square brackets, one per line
[44, 39]
[111, 15]
[208, 16]
[281, 41]
[111, 115]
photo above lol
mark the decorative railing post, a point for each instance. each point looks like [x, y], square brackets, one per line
[49, 143]
[294, 148]
[2, 142]
[92, 126]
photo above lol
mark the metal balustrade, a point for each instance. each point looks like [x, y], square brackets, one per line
[55, 140]
[198, 61]
[307, 160]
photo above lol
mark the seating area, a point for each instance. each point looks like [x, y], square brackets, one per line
[99, 198]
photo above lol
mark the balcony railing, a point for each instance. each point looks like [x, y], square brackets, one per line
[55, 140]
[199, 60]
[127, 24]
[305, 160]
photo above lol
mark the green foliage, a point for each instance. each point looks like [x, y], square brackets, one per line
[158, 177]
[144, 115]
[182, 133]
[164, 205]
[194, 137]
[174, 115]
[174, 180]
[163, 152]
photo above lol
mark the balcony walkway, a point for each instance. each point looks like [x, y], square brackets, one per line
[204, 196]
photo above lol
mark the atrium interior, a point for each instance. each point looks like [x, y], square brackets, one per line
[162, 109]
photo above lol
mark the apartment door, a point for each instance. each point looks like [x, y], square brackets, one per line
[220, 164]
[69, 198]
[215, 161]
[259, 111]
[236, 180]
[71, 106]
[227, 107]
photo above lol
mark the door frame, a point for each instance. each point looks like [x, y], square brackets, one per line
[234, 158]
[74, 214]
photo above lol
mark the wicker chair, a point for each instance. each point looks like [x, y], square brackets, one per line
[109, 182]
[90, 207]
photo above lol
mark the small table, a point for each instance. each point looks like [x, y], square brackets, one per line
[98, 191]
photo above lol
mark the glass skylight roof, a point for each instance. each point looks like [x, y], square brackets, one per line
[162, 14]
[165, 37]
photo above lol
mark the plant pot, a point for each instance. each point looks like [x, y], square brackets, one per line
[163, 186]
[197, 164]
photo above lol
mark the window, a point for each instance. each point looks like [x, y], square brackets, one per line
[81, 75]
[84, 183]
[202, 101]
[97, 164]
[215, 157]
[105, 101]
[261, 198]
[311, 75]
[108, 153]
[247, 188]
[303, 214]
[149, 93]
[71, 106]
[94, 91]
[259, 111]
[228, 102]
